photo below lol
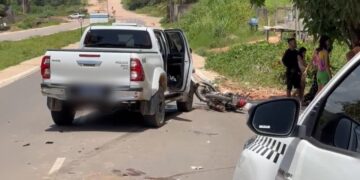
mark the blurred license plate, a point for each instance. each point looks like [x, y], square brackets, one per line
[90, 91]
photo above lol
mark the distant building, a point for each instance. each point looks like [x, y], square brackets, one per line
[99, 18]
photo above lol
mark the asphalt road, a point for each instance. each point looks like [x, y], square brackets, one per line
[24, 34]
[114, 146]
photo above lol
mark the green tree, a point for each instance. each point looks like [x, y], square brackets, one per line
[2, 10]
[39, 2]
[335, 18]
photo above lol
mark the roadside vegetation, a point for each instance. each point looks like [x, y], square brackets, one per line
[38, 13]
[215, 24]
[259, 64]
[15, 52]
[155, 8]
[212, 24]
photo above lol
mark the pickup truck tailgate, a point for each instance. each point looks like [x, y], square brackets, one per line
[81, 67]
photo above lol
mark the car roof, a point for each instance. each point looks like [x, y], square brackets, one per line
[139, 28]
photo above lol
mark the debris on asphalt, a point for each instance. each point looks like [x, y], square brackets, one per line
[129, 172]
[25, 145]
[208, 141]
[134, 172]
[205, 133]
[117, 172]
[197, 167]
[49, 142]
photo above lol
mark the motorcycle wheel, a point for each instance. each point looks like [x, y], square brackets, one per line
[204, 89]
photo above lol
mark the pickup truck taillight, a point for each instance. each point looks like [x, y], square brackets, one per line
[45, 67]
[136, 70]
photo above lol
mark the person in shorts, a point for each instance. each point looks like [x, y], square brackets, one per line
[293, 73]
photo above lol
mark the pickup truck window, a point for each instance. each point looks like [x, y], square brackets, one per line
[107, 38]
[339, 122]
[176, 43]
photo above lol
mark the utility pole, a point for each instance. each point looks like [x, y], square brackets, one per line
[169, 10]
[25, 6]
[107, 7]
[297, 28]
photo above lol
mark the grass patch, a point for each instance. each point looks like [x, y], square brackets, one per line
[271, 5]
[15, 52]
[259, 65]
[211, 24]
[157, 10]
[45, 14]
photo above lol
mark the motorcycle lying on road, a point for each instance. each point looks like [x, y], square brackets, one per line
[218, 101]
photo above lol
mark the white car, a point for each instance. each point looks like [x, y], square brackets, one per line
[76, 16]
[120, 67]
[322, 144]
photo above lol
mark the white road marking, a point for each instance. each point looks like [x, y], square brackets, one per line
[57, 165]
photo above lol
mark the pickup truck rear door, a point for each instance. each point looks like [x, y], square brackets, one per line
[90, 67]
[179, 52]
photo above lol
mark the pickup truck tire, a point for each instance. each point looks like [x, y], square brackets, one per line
[64, 117]
[158, 119]
[187, 106]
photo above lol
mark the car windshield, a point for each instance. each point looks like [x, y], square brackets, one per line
[118, 39]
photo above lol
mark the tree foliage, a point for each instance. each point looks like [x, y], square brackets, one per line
[335, 18]
[3, 5]
[136, 4]
[2, 10]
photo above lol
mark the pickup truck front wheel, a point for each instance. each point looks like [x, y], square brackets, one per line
[64, 117]
[158, 119]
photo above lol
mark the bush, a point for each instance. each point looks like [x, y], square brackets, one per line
[28, 22]
[136, 4]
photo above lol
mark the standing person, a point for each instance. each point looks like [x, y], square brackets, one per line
[293, 76]
[303, 69]
[321, 61]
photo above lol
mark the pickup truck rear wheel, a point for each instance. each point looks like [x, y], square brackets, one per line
[158, 119]
[64, 117]
[187, 106]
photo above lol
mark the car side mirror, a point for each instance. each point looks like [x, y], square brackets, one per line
[275, 118]
[191, 50]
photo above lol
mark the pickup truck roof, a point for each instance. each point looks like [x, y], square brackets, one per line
[139, 28]
[153, 47]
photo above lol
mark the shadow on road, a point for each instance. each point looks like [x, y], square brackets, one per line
[119, 121]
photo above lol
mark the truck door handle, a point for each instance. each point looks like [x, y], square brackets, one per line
[89, 63]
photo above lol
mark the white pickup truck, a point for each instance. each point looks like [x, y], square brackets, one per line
[120, 67]
[76, 16]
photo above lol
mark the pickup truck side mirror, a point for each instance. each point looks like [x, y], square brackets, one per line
[275, 118]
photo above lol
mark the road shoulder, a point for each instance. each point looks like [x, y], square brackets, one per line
[14, 73]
